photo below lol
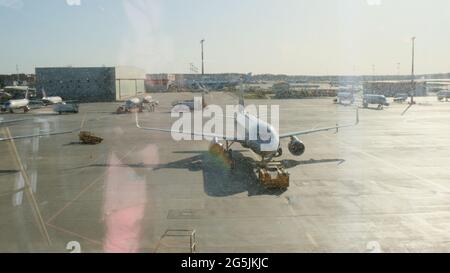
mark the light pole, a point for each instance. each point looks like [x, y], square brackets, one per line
[413, 87]
[413, 39]
[18, 76]
[373, 72]
[203, 64]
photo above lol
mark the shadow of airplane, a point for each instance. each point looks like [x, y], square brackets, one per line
[219, 179]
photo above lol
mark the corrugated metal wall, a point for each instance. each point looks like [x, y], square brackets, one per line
[89, 84]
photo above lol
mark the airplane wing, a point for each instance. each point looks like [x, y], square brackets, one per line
[226, 138]
[312, 131]
[39, 135]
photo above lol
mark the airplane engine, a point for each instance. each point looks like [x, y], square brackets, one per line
[296, 147]
[216, 148]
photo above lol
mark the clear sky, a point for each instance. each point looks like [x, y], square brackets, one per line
[261, 36]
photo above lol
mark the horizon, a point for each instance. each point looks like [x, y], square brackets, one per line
[259, 74]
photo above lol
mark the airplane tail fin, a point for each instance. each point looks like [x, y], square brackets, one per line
[244, 79]
[43, 93]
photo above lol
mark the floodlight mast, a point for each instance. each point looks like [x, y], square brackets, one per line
[203, 62]
[413, 85]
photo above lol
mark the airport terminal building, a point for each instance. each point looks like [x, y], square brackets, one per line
[91, 84]
[179, 82]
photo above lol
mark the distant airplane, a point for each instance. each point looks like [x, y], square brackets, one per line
[16, 104]
[270, 138]
[46, 100]
[59, 105]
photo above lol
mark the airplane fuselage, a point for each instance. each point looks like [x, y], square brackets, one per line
[52, 100]
[16, 104]
[260, 136]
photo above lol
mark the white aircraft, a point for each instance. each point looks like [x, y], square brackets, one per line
[270, 138]
[15, 104]
[59, 105]
[50, 100]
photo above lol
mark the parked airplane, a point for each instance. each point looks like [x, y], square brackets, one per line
[46, 100]
[59, 105]
[271, 139]
[14, 103]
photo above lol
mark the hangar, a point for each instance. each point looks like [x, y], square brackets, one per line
[91, 84]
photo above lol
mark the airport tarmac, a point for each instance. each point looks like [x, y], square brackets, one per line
[382, 186]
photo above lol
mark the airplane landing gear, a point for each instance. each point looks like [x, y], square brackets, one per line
[279, 152]
[229, 155]
[224, 152]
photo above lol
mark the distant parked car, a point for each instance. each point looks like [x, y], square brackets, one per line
[402, 97]
[66, 108]
[443, 95]
[180, 104]
[380, 100]
[344, 98]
